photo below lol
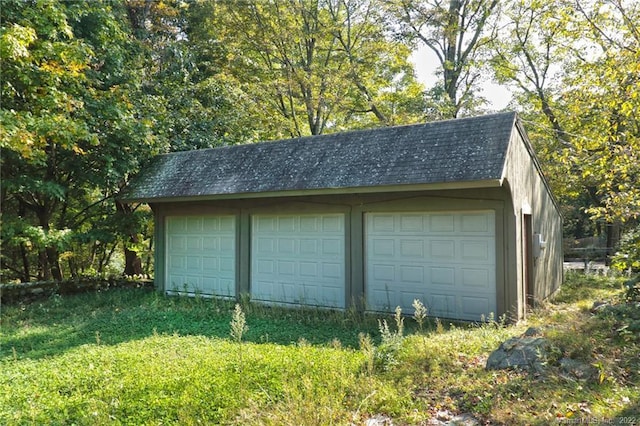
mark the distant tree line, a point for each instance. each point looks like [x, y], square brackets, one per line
[91, 90]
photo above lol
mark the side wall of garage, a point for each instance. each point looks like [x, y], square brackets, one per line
[535, 215]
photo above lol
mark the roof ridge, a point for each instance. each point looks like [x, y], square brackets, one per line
[345, 133]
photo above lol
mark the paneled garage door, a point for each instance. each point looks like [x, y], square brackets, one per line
[201, 255]
[447, 260]
[298, 259]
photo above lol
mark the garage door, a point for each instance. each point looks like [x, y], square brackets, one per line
[447, 260]
[201, 255]
[298, 259]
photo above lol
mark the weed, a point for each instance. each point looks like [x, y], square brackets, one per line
[245, 300]
[391, 341]
[399, 321]
[419, 313]
[238, 324]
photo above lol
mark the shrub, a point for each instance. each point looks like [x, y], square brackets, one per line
[632, 289]
[627, 258]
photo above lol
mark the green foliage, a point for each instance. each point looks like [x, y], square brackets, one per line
[584, 289]
[627, 258]
[574, 66]
[632, 290]
[71, 135]
[386, 353]
[314, 67]
[89, 93]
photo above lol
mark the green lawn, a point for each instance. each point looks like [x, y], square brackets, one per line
[131, 356]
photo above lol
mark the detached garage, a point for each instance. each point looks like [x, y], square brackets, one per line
[455, 213]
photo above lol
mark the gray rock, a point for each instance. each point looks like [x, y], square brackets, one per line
[533, 331]
[526, 353]
[379, 420]
[464, 419]
[599, 305]
[574, 369]
[446, 418]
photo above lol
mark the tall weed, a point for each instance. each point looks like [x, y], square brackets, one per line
[386, 354]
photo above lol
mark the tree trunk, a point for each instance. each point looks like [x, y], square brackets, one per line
[49, 257]
[613, 238]
[132, 262]
[25, 264]
[147, 265]
[26, 267]
[54, 262]
[44, 273]
[451, 67]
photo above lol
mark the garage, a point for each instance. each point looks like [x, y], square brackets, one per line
[201, 255]
[445, 259]
[447, 212]
[298, 259]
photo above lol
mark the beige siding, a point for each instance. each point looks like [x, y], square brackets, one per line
[530, 194]
[353, 207]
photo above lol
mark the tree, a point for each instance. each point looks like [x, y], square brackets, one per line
[458, 33]
[306, 66]
[575, 64]
[90, 91]
[605, 94]
[191, 104]
[70, 133]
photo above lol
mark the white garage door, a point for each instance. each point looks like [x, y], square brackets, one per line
[447, 260]
[298, 259]
[201, 255]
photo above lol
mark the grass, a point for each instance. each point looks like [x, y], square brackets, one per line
[132, 356]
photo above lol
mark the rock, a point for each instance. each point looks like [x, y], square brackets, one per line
[379, 420]
[533, 331]
[465, 419]
[446, 418]
[599, 305]
[526, 353]
[579, 370]
[444, 415]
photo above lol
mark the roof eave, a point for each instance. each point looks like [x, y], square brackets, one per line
[485, 183]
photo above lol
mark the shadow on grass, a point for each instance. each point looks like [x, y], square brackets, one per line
[60, 323]
[629, 415]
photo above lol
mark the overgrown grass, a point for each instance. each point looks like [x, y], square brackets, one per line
[131, 356]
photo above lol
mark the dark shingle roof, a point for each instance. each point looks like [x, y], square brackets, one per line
[460, 150]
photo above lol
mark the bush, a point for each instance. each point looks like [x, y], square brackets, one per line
[632, 289]
[627, 258]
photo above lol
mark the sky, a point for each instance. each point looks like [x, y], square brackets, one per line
[426, 63]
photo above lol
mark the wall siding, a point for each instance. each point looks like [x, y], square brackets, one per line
[353, 207]
[528, 187]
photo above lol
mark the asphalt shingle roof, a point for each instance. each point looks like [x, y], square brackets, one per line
[460, 150]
